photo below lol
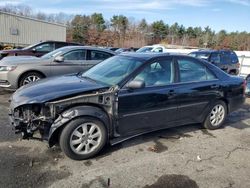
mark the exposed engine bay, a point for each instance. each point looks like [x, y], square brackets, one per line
[29, 119]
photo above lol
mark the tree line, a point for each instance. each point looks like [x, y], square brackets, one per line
[122, 31]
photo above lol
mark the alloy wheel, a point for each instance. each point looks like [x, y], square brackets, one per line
[217, 115]
[85, 138]
[30, 79]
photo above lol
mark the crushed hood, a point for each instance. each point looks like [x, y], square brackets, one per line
[53, 88]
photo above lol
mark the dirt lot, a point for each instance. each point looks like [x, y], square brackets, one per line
[184, 157]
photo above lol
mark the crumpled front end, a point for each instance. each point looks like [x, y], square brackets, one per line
[31, 118]
[47, 117]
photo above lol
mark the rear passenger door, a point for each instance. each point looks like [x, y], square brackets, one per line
[197, 88]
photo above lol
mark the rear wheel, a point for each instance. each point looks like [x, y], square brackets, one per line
[216, 116]
[30, 77]
[83, 138]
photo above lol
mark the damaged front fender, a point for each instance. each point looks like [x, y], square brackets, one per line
[73, 113]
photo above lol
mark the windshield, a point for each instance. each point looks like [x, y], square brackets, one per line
[145, 49]
[113, 70]
[201, 55]
[53, 54]
[30, 46]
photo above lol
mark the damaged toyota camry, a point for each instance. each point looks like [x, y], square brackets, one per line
[122, 97]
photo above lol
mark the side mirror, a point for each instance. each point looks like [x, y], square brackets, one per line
[136, 84]
[33, 50]
[59, 58]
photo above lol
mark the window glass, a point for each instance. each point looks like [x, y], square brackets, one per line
[60, 44]
[159, 49]
[215, 58]
[145, 49]
[113, 70]
[75, 55]
[47, 47]
[192, 71]
[97, 55]
[225, 58]
[157, 73]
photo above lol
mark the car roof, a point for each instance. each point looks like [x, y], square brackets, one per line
[88, 48]
[210, 51]
[149, 55]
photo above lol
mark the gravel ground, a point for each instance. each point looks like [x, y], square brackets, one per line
[183, 157]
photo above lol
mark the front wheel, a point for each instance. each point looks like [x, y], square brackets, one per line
[216, 116]
[83, 138]
[30, 77]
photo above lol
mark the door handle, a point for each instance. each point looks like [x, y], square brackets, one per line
[214, 86]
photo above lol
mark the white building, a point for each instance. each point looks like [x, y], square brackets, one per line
[22, 31]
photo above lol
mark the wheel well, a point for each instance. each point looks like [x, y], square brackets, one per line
[25, 73]
[226, 102]
[56, 135]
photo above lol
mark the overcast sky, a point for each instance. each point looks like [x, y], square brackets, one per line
[231, 15]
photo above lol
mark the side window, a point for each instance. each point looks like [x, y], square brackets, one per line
[225, 58]
[46, 47]
[215, 58]
[159, 49]
[60, 44]
[191, 71]
[75, 55]
[98, 55]
[157, 73]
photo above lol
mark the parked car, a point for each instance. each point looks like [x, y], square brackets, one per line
[227, 60]
[248, 86]
[18, 71]
[36, 50]
[153, 48]
[121, 50]
[124, 96]
[112, 48]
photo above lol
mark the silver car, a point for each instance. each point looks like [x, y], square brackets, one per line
[18, 71]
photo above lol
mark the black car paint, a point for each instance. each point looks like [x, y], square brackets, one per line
[131, 112]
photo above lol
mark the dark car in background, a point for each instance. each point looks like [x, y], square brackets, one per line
[227, 60]
[37, 50]
[124, 96]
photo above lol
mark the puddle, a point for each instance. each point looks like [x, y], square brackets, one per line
[173, 134]
[158, 147]
[173, 181]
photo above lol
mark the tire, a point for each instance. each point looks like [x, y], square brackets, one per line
[76, 145]
[215, 120]
[29, 78]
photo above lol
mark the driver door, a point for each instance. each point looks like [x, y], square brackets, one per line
[153, 106]
[72, 63]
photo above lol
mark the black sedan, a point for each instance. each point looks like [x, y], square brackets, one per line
[124, 96]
